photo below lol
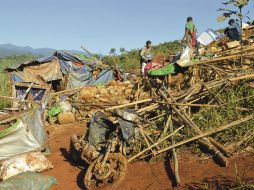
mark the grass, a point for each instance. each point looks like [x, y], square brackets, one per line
[232, 96]
[5, 88]
[9, 60]
[129, 61]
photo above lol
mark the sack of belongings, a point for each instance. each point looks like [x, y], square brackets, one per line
[28, 181]
[34, 161]
[185, 59]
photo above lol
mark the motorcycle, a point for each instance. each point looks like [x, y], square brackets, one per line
[103, 147]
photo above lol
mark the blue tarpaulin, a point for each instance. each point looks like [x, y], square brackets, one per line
[79, 80]
[79, 72]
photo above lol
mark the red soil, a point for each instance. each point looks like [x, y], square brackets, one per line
[194, 173]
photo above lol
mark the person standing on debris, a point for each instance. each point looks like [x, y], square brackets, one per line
[145, 56]
[233, 31]
[190, 35]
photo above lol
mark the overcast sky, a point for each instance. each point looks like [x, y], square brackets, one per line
[102, 24]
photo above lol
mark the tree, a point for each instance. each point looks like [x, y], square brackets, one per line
[112, 51]
[238, 8]
[122, 50]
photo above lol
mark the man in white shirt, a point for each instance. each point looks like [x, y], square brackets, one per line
[145, 56]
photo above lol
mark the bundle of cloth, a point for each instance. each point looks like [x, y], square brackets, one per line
[156, 63]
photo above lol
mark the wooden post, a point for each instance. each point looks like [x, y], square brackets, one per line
[177, 177]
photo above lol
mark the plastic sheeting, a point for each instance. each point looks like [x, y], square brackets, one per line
[48, 71]
[78, 80]
[169, 69]
[185, 59]
[51, 68]
[209, 36]
[26, 135]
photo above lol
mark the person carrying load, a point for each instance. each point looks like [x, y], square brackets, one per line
[190, 35]
[145, 56]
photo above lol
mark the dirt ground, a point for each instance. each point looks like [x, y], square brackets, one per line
[194, 173]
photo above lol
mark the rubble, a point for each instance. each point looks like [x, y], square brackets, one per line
[144, 118]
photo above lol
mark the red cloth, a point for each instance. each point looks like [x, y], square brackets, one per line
[194, 39]
[152, 66]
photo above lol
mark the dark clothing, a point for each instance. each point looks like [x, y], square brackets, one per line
[232, 33]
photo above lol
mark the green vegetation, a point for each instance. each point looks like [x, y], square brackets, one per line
[238, 96]
[5, 88]
[130, 60]
[236, 10]
[7, 61]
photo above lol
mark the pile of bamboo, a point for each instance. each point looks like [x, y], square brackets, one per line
[168, 113]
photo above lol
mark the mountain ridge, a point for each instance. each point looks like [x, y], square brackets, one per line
[10, 50]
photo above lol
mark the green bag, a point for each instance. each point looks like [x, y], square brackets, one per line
[54, 110]
[28, 181]
[169, 69]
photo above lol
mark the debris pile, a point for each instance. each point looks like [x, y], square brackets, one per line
[184, 102]
[170, 117]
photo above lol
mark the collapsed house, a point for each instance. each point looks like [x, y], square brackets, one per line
[33, 82]
[62, 71]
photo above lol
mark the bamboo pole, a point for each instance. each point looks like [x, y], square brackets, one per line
[67, 91]
[184, 117]
[87, 51]
[215, 95]
[236, 50]
[221, 58]
[165, 129]
[147, 143]
[148, 108]
[204, 105]
[14, 99]
[155, 144]
[129, 104]
[250, 76]
[177, 177]
[210, 132]
[26, 92]
[151, 141]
